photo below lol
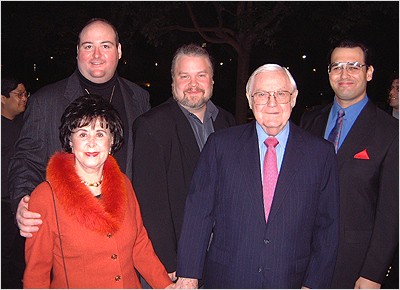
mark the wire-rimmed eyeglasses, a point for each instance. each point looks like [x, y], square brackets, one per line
[351, 67]
[20, 95]
[263, 98]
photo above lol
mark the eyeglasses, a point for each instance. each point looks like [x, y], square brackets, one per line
[262, 98]
[351, 67]
[20, 95]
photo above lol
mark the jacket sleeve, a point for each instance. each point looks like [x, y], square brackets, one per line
[150, 184]
[28, 165]
[146, 260]
[39, 248]
[198, 217]
[385, 236]
[325, 240]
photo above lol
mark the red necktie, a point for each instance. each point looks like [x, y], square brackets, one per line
[270, 174]
[334, 135]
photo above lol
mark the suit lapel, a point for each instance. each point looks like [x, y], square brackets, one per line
[185, 134]
[249, 161]
[73, 89]
[293, 156]
[320, 122]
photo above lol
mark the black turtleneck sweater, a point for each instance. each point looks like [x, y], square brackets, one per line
[106, 91]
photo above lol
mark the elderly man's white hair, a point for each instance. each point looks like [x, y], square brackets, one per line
[264, 68]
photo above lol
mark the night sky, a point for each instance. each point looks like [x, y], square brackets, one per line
[38, 44]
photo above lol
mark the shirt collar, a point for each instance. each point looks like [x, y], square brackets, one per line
[350, 112]
[211, 111]
[282, 136]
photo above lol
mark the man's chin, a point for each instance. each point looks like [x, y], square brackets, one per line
[193, 102]
[99, 76]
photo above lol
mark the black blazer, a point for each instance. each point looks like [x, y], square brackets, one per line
[369, 194]
[39, 138]
[164, 156]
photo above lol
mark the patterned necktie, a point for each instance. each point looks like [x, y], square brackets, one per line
[270, 174]
[335, 133]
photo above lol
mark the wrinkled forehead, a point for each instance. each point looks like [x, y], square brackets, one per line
[271, 78]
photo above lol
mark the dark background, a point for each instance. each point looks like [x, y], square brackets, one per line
[38, 44]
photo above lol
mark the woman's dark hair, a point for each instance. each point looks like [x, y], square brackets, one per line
[82, 112]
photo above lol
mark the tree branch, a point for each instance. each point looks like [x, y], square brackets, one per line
[223, 34]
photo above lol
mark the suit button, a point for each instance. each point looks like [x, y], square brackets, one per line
[267, 241]
[118, 278]
[114, 256]
[259, 270]
[109, 235]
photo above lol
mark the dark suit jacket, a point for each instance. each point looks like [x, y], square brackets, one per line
[165, 154]
[39, 137]
[369, 194]
[296, 248]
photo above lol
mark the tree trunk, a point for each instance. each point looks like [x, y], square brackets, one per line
[242, 77]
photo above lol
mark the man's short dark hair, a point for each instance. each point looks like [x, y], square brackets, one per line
[353, 44]
[9, 84]
[101, 20]
[190, 50]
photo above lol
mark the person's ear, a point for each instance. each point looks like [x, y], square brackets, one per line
[3, 99]
[294, 98]
[370, 72]
[119, 51]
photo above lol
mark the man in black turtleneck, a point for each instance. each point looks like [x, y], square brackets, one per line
[98, 53]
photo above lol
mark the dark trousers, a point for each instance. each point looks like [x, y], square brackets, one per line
[12, 250]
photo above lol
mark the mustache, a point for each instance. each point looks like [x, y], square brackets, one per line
[194, 90]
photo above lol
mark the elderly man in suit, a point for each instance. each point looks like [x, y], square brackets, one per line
[266, 233]
[368, 160]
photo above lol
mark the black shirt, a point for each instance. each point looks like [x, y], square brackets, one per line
[111, 91]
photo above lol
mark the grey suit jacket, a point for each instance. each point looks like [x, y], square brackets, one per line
[39, 138]
[298, 245]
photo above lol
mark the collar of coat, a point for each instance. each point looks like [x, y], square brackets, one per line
[103, 215]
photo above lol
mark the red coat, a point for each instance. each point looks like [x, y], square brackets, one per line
[103, 240]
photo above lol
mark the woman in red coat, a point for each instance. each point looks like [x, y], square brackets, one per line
[92, 234]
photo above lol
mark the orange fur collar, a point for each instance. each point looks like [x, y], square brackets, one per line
[104, 215]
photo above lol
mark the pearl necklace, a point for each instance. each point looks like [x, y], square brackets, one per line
[94, 184]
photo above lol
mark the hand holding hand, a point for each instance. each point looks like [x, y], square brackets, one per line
[27, 221]
[186, 283]
[364, 283]
[172, 276]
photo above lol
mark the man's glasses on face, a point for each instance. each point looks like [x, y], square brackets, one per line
[351, 67]
[20, 95]
[263, 98]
